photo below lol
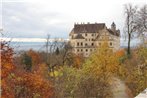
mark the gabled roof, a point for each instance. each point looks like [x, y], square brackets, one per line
[88, 28]
[116, 33]
[79, 36]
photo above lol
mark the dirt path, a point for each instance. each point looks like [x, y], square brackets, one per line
[119, 89]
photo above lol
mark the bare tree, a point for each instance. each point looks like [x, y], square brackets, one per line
[130, 24]
[57, 52]
[141, 21]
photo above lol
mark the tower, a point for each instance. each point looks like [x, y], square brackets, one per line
[113, 27]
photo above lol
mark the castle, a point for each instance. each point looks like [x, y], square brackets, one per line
[85, 38]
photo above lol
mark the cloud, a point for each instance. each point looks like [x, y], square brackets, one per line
[23, 20]
[37, 18]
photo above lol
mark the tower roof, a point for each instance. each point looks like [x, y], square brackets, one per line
[113, 24]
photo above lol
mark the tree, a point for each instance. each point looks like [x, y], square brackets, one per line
[18, 83]
[7, 67]
[27, 61]
[135, 23]
[93, 78]
[57, 51]
[130, 24]
[34, 84]
[29, 85]
[34, 56]
[135, 71]
[66, 83]
[141, 19]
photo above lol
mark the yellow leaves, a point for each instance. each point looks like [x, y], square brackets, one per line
[41, 70]
[77, 61]
[53, 74]
[103, 60]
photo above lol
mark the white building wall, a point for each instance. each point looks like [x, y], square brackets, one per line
[89, 44]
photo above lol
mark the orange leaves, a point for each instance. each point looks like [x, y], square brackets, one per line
[22, 84]
[6, 90]
[35, 84]
[6, 69]
[120, 53]
[35, 57]
[78, 60]
[6, 59]
[31, 85]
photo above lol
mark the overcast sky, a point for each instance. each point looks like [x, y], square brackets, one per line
[37, 18]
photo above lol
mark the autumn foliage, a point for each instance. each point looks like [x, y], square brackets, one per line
[120, 53]
[18, 83]
[7, 67]
[79, 78]
[6, 59]
[32, 84]
[35, 57]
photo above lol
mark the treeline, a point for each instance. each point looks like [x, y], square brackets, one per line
[28, 75]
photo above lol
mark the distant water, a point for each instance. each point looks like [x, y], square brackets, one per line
[40, 46]
[19, 46]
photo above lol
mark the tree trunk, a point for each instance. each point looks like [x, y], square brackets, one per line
[129, 39]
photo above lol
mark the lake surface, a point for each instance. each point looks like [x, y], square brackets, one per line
[18, 46]
[40, 46]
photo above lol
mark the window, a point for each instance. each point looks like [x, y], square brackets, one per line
[110, 43]
[77, 50]
[99, 44]
[86, 50]
[77, 43]
[81, 50]
[92, 39]
[85, 34]
[81, 44]
[92, 34]
[92, 44]
[85, 44]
